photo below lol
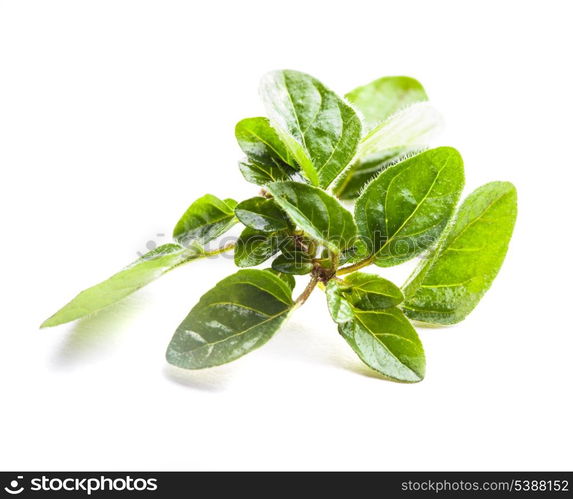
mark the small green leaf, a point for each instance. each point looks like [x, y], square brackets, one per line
[318, 214]
[268, 159]
[295, 262]
[383, 338]
[261, 143]
[262, 214]
[318, 128]
[140, 273]
[449, 285]
[231, 203]
[339, 306]
[402, 134]
[241, 313]
[383, 97]
[288, 278]
[255, 247]
[411, 128]
[387, 342]
[263, 174]
[405, 209]
[353, 180]
[370, 292]
[360, 291]
[207, 218]
[354, 253]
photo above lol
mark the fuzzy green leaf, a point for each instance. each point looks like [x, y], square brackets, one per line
[383, 97]
[317, 213]
[255, 247]
[405, 209]
[140, 273]
[411, 128]
[353, 180]
[207, 218]
[319, 128]
[268, 159]
[241, 313]
[449, 285]
[261, 143]
[259, 174]
[403, 133]
[262, 214]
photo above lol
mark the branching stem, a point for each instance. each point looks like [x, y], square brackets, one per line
[355, 266]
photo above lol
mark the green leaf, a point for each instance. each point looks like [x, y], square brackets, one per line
[409, 129]
[140, 273]
[383, 338]
[231, 203]
[448, 286]
[255, 247]
[288, 278]
[370, 292]
[403, 133]
[268, 159]
[354, 253]
[383, 97]
[262, 214]
[261, 143]
[207, 218]
[361, 291]
[318, 214]
[319, 128]
[241, 313]
[295, 262]
[353, 180]
[263, 174]
[339, 305]
[405, 209]
[387, 342]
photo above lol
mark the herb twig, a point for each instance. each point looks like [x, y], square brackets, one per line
[361, 152]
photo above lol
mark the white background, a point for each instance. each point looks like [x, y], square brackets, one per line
[115, 115]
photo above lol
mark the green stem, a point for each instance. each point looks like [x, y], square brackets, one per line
[222, 249]
[355, 266]
[335, 259]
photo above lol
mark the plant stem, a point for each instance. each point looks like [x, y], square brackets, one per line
[335, 259]
[306, 292]
[218, 251]
[355, 266]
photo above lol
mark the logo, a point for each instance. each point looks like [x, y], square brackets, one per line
[14, 488]
[151, 244]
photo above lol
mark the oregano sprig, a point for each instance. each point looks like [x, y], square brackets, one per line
[313, 150]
